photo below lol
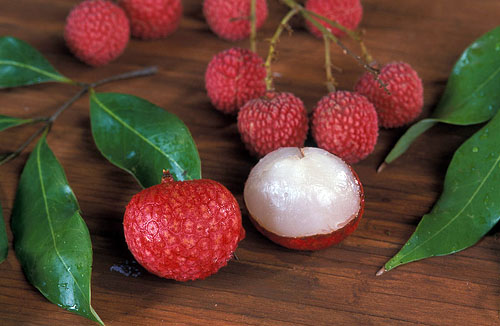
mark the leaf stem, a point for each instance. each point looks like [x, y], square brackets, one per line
[128, 75]
[330, 81]
[253, 26]
[272, 47]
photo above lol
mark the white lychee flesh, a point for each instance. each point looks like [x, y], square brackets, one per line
[300, 192]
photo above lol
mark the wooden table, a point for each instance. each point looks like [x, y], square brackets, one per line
[268, 285]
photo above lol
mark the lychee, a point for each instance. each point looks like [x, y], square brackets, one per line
[184, 230]
[97, 31]
[347, 13]
[230, 20]
[273, 121]
[405, 99]
[304, 198]
[345, 124]
[152, 19]
[233, 77]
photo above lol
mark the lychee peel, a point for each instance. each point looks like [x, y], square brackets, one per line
[233, 77]
[345, 124]
[183, 230]
[230, 20]
[278, 119]
[347, 13]
[405, 101]
[97, 31]
[153, 19]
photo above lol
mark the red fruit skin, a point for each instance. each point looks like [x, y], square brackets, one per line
[152, 19]
[97, 32]
[230, 19]
[183, 230]
[406, 99]
[347, 13]
[273, 121]
[234, 77]
[345, 124]
[317, 242]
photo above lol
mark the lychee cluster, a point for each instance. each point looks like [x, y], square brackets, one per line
[98, 31]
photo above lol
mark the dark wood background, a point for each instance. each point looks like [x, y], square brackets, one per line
[269, 285]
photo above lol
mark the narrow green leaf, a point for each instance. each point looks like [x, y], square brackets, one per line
[471, 96]
[51, 239]
[469, 205]
[21, 64]
[142, 138]
[4, 244]
[9, 122]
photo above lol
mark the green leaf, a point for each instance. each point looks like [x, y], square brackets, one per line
[472, 94]
[469, 205]
[51, 239]
[9, 122]
[21, 64]
[4, 244]
[142, 138]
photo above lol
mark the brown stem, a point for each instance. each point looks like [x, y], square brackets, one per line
[128, 75]
[253, 25]
[330, 81]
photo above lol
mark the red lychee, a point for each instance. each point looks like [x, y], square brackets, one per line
[152, 19]
[406, 98]
[273, 121]
[345, 124]
[230, 20]
[97, 31]
[233, 77]
[347, 13]
[304, 198]
[184, 230]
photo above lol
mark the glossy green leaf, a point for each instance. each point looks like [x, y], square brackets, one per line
[469, 205]
[9, 122]
[21, 64]
[472, 94]
[4, 244]
[51, 239]
[143, 138]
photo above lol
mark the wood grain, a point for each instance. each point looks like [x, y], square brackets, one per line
[268, 285]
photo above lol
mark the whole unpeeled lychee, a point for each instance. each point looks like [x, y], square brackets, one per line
[233, 77]
[97, 31]
[184, 230]
[273, 121]
[304, 198]
[345, 124]
[347, 13]
[230, 20]
[152, 19]
[406, 98]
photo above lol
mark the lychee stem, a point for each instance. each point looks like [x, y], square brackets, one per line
[253, 26]
[166, 177]
[330, 81]
[272, 47]
[381, 271]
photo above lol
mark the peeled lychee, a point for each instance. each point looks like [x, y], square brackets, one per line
[233, 77]
[347, 13]
[273, 121]
[406, 98]
[97, 31]
[345, 124]
[230, 20]
[304, 198]
[152, 19]
[184, 230]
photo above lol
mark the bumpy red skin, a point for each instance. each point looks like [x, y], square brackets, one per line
[273, 121]
[97, 32]
[183, 230]
[406, 98]
[234, 77]
[230, 19]
[317, 242]
[153, 19]
[345, 124]
[347, 13]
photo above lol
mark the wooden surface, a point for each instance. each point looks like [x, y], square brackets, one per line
[269, 285]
